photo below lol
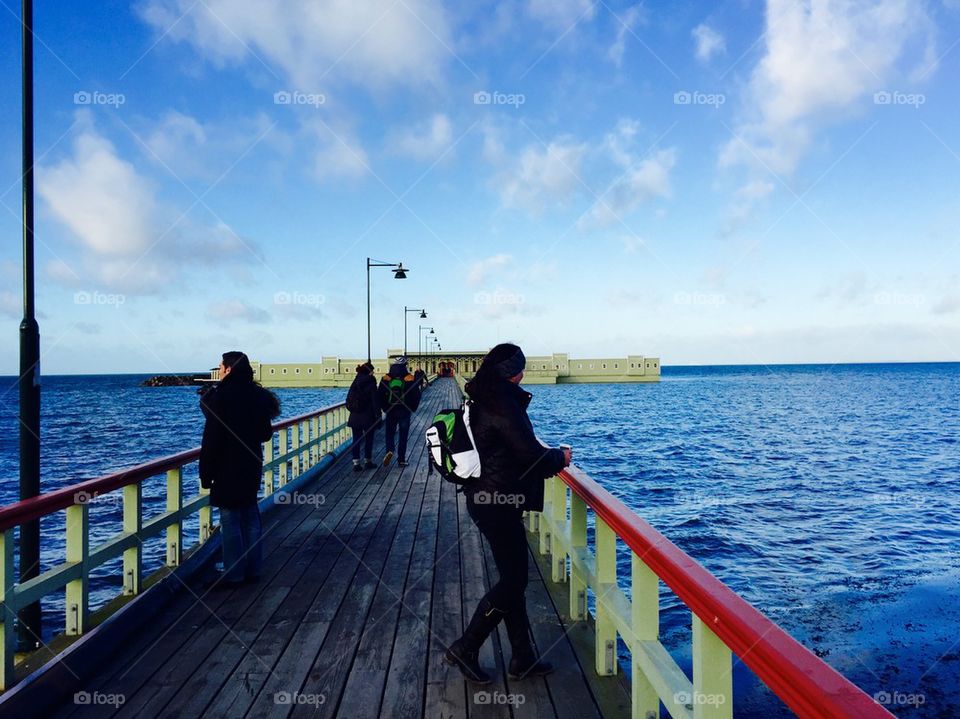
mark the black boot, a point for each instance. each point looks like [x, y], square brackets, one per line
[464, 652]
[523, 661]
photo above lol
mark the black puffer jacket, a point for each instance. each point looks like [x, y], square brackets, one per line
[363, 402]
[513, 462]
[231, 458]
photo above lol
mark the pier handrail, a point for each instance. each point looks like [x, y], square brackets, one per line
[723, 622]
[298, 444]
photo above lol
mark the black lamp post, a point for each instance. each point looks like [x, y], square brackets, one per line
[29, 616]
[399, 273]
[423, 316]
[420, 347]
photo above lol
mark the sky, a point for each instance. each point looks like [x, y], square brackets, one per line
[705, 182]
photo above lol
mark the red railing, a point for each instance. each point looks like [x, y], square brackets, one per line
[805, 683]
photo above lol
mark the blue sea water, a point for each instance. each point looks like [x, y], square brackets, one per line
[824, 495]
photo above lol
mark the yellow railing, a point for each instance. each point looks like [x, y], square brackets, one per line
[301, 444]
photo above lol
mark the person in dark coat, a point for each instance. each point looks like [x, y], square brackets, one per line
[238, 413]
[364, 406]
[399, 398]
[513, 467]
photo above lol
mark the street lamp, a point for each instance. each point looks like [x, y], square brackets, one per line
[420, 347]
[399, 273]
[423, 316]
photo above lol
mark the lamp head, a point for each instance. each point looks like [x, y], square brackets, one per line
[400, 273]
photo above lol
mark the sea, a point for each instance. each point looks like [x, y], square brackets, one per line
[825, 495]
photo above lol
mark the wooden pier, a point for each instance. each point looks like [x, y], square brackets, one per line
[366, 577]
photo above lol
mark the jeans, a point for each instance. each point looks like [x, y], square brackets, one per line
[364, 434]
[398, 418]
[242, 555]
[503, 529]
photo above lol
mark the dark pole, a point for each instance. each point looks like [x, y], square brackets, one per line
[404, 330]
[29, 354]
[368, 309]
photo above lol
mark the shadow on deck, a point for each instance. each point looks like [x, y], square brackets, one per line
[366, 577]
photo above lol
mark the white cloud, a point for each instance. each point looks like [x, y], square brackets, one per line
[10, 304]
[187, 147]
[427, 141]
[947, 305]
[543, 175]
[820, 59]
[561, 14]
[479, 271]
[374, 43]
[338, 155]
[625, 24]
[228, 311]
[709, 42]
[126, 238]
[643, 181]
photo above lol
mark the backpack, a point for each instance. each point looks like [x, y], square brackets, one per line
[353, 399]
[450, 446]
[395, 391]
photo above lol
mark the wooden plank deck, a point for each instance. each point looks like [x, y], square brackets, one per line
[359, 595]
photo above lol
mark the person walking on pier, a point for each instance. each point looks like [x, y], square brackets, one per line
[364, 406]
[238, 413]
[514, 465]
[399, 398]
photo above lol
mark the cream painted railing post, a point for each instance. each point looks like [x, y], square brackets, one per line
[545, 519]
[606, 630]
[324, 424]
[282, 452]
[78, 550]
[578, 540]
[8, 639]
[343, 427]
[132, 524]
[307, 453]
[175, 529]
[558, 554]
[206, 517]
[712, 674]
[315, 447]
[295, 449]
[268, 474]
[645, 621]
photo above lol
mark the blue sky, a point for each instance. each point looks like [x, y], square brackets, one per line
[706, 182]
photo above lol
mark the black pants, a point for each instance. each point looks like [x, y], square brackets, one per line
[364, 434]
[398, 418]
[503, 529]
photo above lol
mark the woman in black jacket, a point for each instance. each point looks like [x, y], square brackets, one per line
[364, 406]
[514, 465]
[238, 413]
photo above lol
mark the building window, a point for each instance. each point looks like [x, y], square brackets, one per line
[309, 370]
[591, 366]
[604, 365]
[633, 364]
[297, 370]
[616, 365]
[284, 370]
[272, 371]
